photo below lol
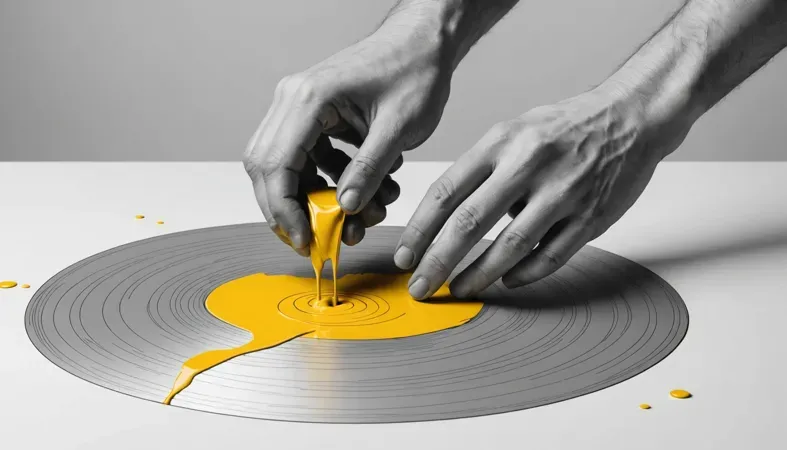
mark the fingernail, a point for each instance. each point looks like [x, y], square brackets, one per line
[350, 200]
[460, 291]
[419, 288]
[511, 283]
[296, 238]
[404, 257]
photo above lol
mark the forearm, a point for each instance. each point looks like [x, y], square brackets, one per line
[451, 27]
[704, 52]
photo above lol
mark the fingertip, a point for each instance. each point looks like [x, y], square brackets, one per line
[418, 288]
[397, 164]
[462, 286]
[300, 240]
[389, 192]
[353, 232]
[404, 258]
[305, 252]
[373, 214]
[350, 201]
[513, 282]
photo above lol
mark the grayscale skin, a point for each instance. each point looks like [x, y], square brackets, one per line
[565, 172]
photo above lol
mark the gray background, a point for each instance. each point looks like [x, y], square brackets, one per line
[191, 79]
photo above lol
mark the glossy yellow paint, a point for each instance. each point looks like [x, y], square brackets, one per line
[278, 308]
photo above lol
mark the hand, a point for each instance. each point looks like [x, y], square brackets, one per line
[385, 94]
[564, 173]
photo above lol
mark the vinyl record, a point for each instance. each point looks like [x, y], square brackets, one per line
[126, 319]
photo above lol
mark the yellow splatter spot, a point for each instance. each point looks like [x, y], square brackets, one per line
[7, 284]
[160, 222]
[139, 216]
[644, 406]
[680, 393]
[25, 286]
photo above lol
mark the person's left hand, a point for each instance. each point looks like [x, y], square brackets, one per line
[564, 172]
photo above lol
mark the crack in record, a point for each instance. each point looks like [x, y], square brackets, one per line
[126, 319]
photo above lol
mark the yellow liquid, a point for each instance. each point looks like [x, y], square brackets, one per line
[7, 284]
[139, 216]
[25, 286]
[327, 219]
[644, 406]
[680, 393]
[278, 308]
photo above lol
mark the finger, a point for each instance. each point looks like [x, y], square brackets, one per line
[443, 196]
[518, 206]
[329, 160]
[333, 162]
[252, 160]
[311, 183]
[373, 214]
[397, 164]
[389, 191]
[464, 228]
[262, 201]
[553, 252]
[346, 133]
[353, 231]
[514, 243]
[363, 176]
[285, 159]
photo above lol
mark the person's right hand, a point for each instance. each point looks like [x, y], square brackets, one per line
[385, 95]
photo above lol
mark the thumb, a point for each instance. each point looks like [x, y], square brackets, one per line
[363, 176]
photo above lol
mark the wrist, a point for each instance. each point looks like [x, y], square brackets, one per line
[426, 29]
[663, 79]
[664, 83]
[416, 38]
[446, 29]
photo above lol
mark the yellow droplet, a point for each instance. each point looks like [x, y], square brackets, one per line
[644, 406]
[25, 286]
[160, 222]
[680, 393]
[139, 216]
[7, 284]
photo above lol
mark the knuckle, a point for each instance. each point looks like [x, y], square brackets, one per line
[516, 241]
[309, 90]
[250, 165]
[500, 131]
[551, 261]
[467, 220]
[441, 191]
[366, 167]
[413, 233]
[591, 227]
[285, 85]
[267, 168]
[303, 87]
[435, 264]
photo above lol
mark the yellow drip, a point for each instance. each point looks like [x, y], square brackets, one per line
[25, 286]
[139, 216]
[327, 219]
[7, 284]
[278, 308]
[644, 406]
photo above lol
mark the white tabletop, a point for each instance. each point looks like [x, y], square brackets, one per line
[716, 231]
